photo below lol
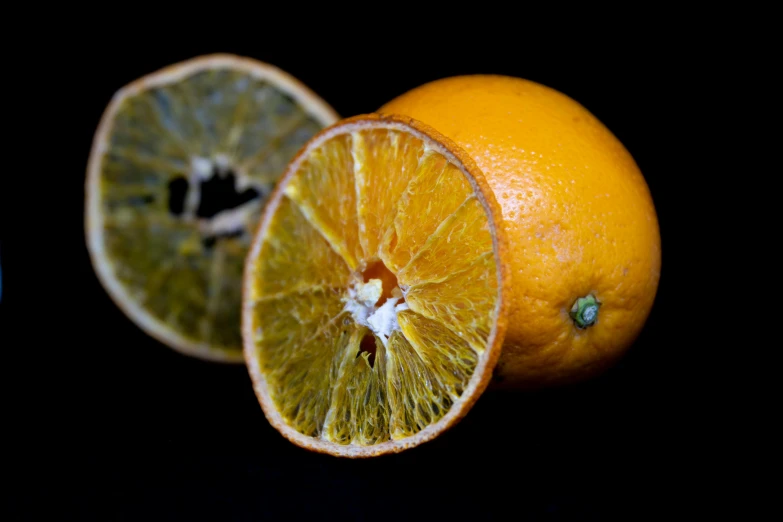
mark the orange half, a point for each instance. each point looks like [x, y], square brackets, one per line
[374, 293]
[180, 168]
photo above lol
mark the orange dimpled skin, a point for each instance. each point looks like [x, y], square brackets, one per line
[578, 215]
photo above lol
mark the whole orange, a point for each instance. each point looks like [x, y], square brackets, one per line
[584, 244]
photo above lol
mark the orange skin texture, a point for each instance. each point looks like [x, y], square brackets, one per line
[577, 213]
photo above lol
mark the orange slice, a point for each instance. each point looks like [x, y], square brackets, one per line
[181, 165]
[373, 305]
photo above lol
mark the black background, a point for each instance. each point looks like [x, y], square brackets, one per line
[127, 429]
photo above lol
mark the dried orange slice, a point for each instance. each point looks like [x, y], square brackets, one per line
[373, 309]
[181, 165]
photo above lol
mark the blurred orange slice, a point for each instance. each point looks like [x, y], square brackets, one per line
[181, 165]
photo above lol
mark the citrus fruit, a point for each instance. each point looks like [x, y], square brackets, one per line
[181, 165]
[373, 309]
[584, 254]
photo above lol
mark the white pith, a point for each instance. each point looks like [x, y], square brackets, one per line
[362, 300]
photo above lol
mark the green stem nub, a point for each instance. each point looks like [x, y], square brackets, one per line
[585, 311]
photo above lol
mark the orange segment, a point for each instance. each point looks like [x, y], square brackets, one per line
[436, 190]
[303, 370]
[441, 351]
[463, 302]
[373, 310]
[289, 267]
[297, 316]
[360, 407]
[327, 175]
[416, 398]
[459, 241]
[385, 160]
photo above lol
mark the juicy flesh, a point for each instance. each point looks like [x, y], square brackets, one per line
[374, 224]
[176, 248]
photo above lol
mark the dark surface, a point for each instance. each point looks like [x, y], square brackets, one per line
[115, 426]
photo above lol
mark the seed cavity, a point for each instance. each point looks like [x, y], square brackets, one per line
[375, 299]
[216, 198]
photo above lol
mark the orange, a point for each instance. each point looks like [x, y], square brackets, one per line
[374, 290]
[584, 254]
[181, 165]
[477, 225]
